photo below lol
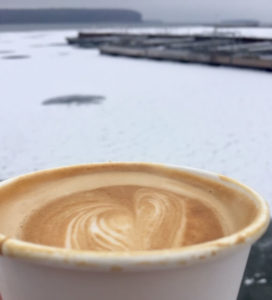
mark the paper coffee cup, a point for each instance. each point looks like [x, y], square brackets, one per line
[207, 271]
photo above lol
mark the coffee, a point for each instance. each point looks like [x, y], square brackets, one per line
[119, 207]
[122, 218]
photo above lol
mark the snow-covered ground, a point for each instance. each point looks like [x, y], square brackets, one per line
[256, 32]
[208, 117]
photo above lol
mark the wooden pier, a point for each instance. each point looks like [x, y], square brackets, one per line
[211, 58]
[225, 50]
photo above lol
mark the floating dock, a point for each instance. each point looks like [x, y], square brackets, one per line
[217, 49]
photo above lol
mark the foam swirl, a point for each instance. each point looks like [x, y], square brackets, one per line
[121, 218]
[157, 212]
[102, 225]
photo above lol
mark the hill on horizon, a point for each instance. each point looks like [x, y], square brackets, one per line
[67, 15]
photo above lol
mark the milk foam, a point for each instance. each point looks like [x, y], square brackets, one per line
[121, 207]
[122, 218]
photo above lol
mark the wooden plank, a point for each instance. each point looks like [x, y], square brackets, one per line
[187, 56]
[212, 35]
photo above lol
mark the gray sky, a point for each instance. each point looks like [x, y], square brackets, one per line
[168, 10]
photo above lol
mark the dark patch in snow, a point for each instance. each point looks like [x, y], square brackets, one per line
[74, 99]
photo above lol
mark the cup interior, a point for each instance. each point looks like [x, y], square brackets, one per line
[244, 214]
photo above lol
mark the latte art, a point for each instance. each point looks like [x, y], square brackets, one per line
[122, 218]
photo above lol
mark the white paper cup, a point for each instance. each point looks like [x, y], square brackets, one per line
[207, 271]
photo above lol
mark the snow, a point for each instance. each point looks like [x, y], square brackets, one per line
[207, 117]
[257, 32]
[249, 281]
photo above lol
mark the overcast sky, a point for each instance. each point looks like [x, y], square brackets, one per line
[168, 10]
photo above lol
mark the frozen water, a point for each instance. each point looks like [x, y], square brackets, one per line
[207, 117]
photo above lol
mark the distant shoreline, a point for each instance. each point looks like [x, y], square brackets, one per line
[46, 27]
[82, 26]
[68, 15]
[78, 26]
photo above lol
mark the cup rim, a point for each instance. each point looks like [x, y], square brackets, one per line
[140, 260]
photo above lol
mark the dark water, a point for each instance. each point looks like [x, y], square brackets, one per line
[19, 56]
[74, 99]
[257, 281]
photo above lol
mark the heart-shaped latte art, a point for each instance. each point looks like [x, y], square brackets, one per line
[104, 224]
[122, 218]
